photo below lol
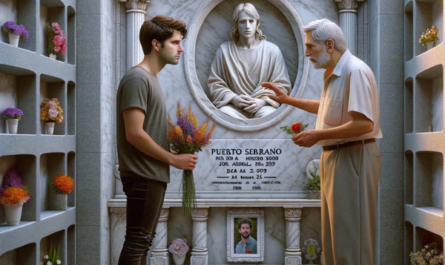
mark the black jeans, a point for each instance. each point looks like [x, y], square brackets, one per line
[145, 198]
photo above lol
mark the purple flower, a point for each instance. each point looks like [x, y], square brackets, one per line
[23, 32]
[12, 113]
[9, 25]
[178, 247]
[12, 179]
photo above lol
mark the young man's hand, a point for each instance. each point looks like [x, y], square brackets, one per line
[184, 161]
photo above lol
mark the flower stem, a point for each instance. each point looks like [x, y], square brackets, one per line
[188, 192]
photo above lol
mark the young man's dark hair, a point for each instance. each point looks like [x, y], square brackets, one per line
[245, 221]
[141, 135]
[159, 28]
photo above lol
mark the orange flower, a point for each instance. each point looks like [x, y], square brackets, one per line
[63, 184]
[14, 195]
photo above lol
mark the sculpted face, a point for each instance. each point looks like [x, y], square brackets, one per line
[316, 52]
[246, 25]
[171, 52]
[245, 230]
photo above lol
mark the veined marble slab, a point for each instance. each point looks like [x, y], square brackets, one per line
[239, 166]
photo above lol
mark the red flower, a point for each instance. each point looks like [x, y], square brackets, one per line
[296, 127]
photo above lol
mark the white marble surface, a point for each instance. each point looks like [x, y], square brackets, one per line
[289, 169]
[7, 12]
[8, 97]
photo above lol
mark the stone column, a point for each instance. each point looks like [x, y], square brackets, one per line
[135, 18]
[293, 250]
[347, 10]
[159, 252]
[199, 251]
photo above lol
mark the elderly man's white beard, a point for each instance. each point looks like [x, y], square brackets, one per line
[322, 60]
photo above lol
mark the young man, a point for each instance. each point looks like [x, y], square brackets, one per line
[143, 152]
[247, 244]
[347, 126]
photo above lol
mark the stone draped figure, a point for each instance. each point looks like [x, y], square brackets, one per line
[240, 66]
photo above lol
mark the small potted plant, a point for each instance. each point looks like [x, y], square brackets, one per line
[428, 255]
[12, 116]
[52, 258]
[178, 249]
[51, 112]
[13, 195]
[62, 185]
[15, 32]
[56, 40]
[313, 183]
[430, 37]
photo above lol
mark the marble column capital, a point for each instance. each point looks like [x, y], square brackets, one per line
[200, 214]
[118, 210]
[348, 5]
[136, 5]
[293, 214]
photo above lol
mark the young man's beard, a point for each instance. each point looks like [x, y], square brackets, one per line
[168, 58]
[245, 236]
[322, 60]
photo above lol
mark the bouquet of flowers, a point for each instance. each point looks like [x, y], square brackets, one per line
[12, 190]
[431, 35]
[11, 27]
[14, 195]
[178, 247]
[428, 255]
[50, 110]
[56, 40]
[187, 137]
[52, 258]
[295, 128]
[63, 184]
[12, 113]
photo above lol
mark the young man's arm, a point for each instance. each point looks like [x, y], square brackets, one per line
[359, 125]
[135, 135]
[308, 105]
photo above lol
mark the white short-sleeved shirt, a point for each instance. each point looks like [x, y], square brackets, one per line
[350, 87]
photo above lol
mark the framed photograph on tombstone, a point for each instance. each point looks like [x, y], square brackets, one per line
[245, 235]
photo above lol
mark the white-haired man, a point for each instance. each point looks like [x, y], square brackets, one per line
[347, 126]
[242, 64]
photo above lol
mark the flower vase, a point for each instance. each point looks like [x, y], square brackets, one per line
[14, 39]
[13, 213]
[53, 56]
[179, 260]
[429, 46]
[12, 126]
[313, 194]
[49, 127]
[60, 202]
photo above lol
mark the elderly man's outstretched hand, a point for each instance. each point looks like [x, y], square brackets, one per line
[280, 96]
[306, 138]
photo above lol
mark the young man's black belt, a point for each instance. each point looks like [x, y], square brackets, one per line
[348, 144]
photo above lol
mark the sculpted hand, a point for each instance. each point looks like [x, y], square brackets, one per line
[280, 96]
[258, 104]
[242, 101]
[184, 161]
[306, 138]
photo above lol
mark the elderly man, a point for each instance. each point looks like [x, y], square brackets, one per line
[242, 64]
[347, 126]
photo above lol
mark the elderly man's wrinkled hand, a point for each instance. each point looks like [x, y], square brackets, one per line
[306, 138]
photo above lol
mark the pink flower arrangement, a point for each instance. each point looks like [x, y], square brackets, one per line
[56, 40]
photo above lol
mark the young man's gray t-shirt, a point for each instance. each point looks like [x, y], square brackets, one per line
[140, 89]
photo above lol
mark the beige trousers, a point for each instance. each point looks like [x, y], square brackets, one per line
[349, 179]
